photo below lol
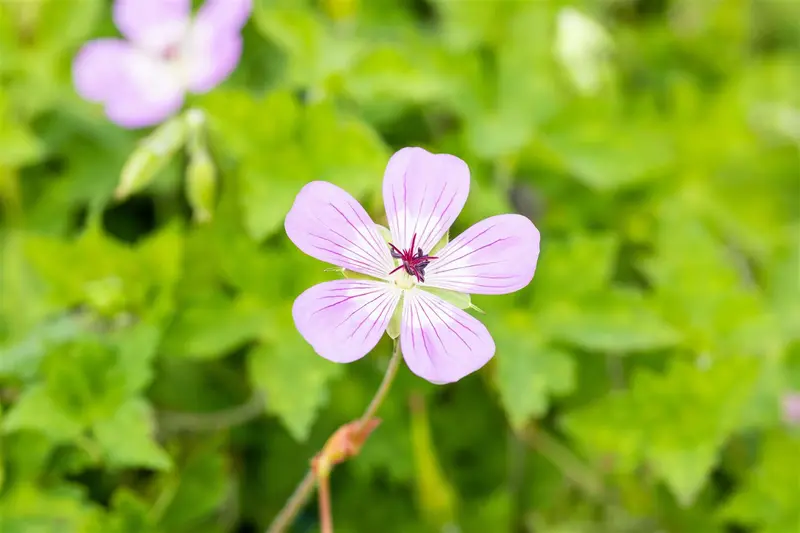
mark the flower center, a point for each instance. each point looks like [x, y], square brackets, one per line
[413, 264]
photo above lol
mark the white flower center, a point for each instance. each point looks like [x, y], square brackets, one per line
[403, 281]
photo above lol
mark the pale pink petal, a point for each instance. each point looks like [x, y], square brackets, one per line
[440, 342]
[497, 255]
[137, 89]
[225, 15]
[344, 319]
[423, 194]
[98, 67]
[153, 24]
[210, 55]
[327, 223]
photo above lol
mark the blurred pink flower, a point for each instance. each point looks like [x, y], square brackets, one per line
[791, 408]
[423, 194]
[142, 80]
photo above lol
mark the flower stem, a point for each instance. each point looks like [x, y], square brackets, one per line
[325, 515]
[306, 486]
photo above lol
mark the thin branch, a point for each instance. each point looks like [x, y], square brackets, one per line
[306, 486]
[172, 422]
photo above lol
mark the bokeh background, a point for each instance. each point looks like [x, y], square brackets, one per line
[152, 381]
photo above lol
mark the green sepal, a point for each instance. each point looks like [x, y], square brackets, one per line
[393, 329]
[441, 244]
[349, 274]
[459, 299]
[384, 232]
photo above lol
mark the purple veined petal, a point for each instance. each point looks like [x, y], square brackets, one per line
[210, 55]
[137, 89]
[327, 223]
[226, 16]
[344, 319]
[497, 255]
[153, 24]
[423, 194]
[440, 342]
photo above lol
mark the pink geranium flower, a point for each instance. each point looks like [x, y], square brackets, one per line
[423, 194]
[142, 80]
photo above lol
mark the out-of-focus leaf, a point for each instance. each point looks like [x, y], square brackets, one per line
[574, 268]
[85, 380]
[213, 328]
[770, 498]
[28, 509]
[293, 378]
[529, 371]
[600, 156]
[127, 438]
[436, 497]
[701, 287]
[203, 484]
[619, 321]
[676, 422]
[37, 411]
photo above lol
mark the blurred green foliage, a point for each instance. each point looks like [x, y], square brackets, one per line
[152, 381]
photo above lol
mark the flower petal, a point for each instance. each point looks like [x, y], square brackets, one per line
[211, 55]
[327, 223]
[423, 194]
[497, 255]
[440, 342]
[98, 67]
[344, 319]
[137, 89]
[225, 15]
[153, 24]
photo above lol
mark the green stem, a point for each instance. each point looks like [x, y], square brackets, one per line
[563, 458]
[306, 486]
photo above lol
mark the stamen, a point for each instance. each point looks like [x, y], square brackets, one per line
[414, 265]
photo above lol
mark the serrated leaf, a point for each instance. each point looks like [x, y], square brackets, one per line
[204, 482]
[572, 269]
[85, 380]
[770, 497]
[211, 329]
[619, 321]
[293, 378]
[35, 410]
[676, 422]
[529, 371]
[126, 438]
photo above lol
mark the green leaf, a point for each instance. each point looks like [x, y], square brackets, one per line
[127, 438]
[770, 497]
[569, 270]
[294, 380]
[675, 422]
[211, 329]
[204, 483]
[700, 287]
[35, 410]
[436, 497]
[595, 148]
[63, 508]
[529, 371]
[619, 321]
[86, 380]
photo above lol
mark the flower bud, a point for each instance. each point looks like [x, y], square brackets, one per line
[152, 155]
[201, 185]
